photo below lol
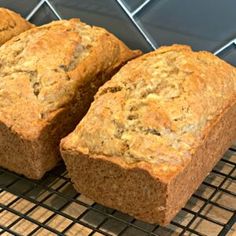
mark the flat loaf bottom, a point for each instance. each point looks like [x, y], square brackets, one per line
[137, 191]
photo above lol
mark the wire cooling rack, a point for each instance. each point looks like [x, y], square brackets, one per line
[51, 206]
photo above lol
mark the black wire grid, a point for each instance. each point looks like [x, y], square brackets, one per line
[51, 206]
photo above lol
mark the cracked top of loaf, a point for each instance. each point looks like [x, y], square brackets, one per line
[11, 24]
[42, 69]
[157, 108]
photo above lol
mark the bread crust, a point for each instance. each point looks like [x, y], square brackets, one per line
[11, 24]
[150, 192]
[48, 78]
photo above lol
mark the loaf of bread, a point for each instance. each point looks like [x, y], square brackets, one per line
[11, 24]
[48, 78]
[154, 132]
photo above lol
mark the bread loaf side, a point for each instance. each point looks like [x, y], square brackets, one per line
[154, 132]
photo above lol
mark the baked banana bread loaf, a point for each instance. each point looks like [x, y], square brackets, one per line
[11, 24]
[48, 78]
[154, 132]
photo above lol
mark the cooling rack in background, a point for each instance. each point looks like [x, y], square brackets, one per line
[52, 207]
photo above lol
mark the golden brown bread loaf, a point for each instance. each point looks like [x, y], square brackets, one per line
[11, 24]
[48, 78]
[154, 132]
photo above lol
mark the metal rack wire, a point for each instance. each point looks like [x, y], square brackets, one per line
[52, 207]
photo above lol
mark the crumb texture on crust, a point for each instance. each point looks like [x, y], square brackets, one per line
[11, 24]
[43, 69]
[156, 108]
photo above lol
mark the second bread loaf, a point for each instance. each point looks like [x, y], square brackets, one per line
[11, 24]
[48, 78]
[153, 132]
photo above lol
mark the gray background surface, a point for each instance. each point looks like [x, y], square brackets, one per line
[146, 24]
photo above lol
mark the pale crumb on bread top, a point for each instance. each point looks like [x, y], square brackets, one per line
[157, 108]
[41, 58]
[43, 68]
